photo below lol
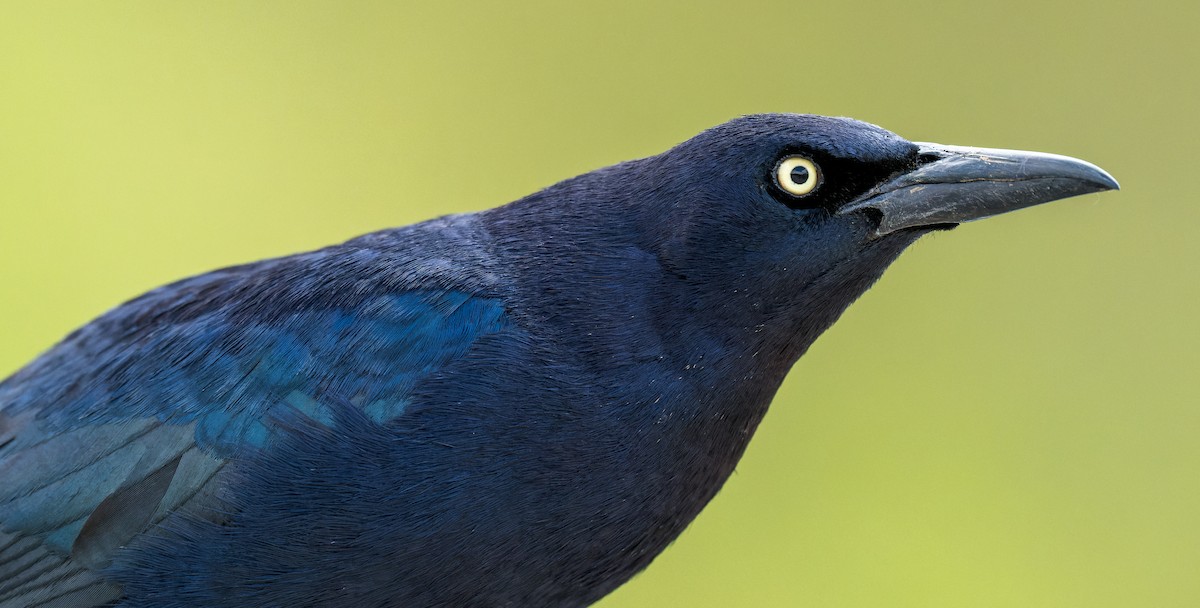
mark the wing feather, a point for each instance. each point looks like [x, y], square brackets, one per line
[133, 417]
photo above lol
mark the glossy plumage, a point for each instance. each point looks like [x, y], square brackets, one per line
[520, 407]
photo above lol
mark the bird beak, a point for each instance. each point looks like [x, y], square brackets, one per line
[957, 184]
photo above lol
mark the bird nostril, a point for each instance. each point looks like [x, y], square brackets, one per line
[928, 157]
[874, 215]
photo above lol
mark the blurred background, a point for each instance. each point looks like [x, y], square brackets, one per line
[1009, 418]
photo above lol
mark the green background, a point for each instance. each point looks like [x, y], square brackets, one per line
[1009, 418]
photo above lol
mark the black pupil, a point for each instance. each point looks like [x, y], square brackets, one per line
[799, 175]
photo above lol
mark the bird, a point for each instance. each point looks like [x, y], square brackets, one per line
[521, 406]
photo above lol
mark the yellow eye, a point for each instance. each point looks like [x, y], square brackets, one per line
[797, 175]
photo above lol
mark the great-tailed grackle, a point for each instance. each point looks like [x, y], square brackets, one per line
[518, 407]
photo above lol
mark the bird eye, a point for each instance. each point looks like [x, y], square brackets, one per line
[797, 175]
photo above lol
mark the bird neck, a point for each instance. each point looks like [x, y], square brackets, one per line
[590, 271]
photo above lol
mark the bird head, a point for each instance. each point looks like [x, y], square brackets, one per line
[845, 183]
[793, 216]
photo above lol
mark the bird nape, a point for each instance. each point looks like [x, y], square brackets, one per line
[518, 407]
